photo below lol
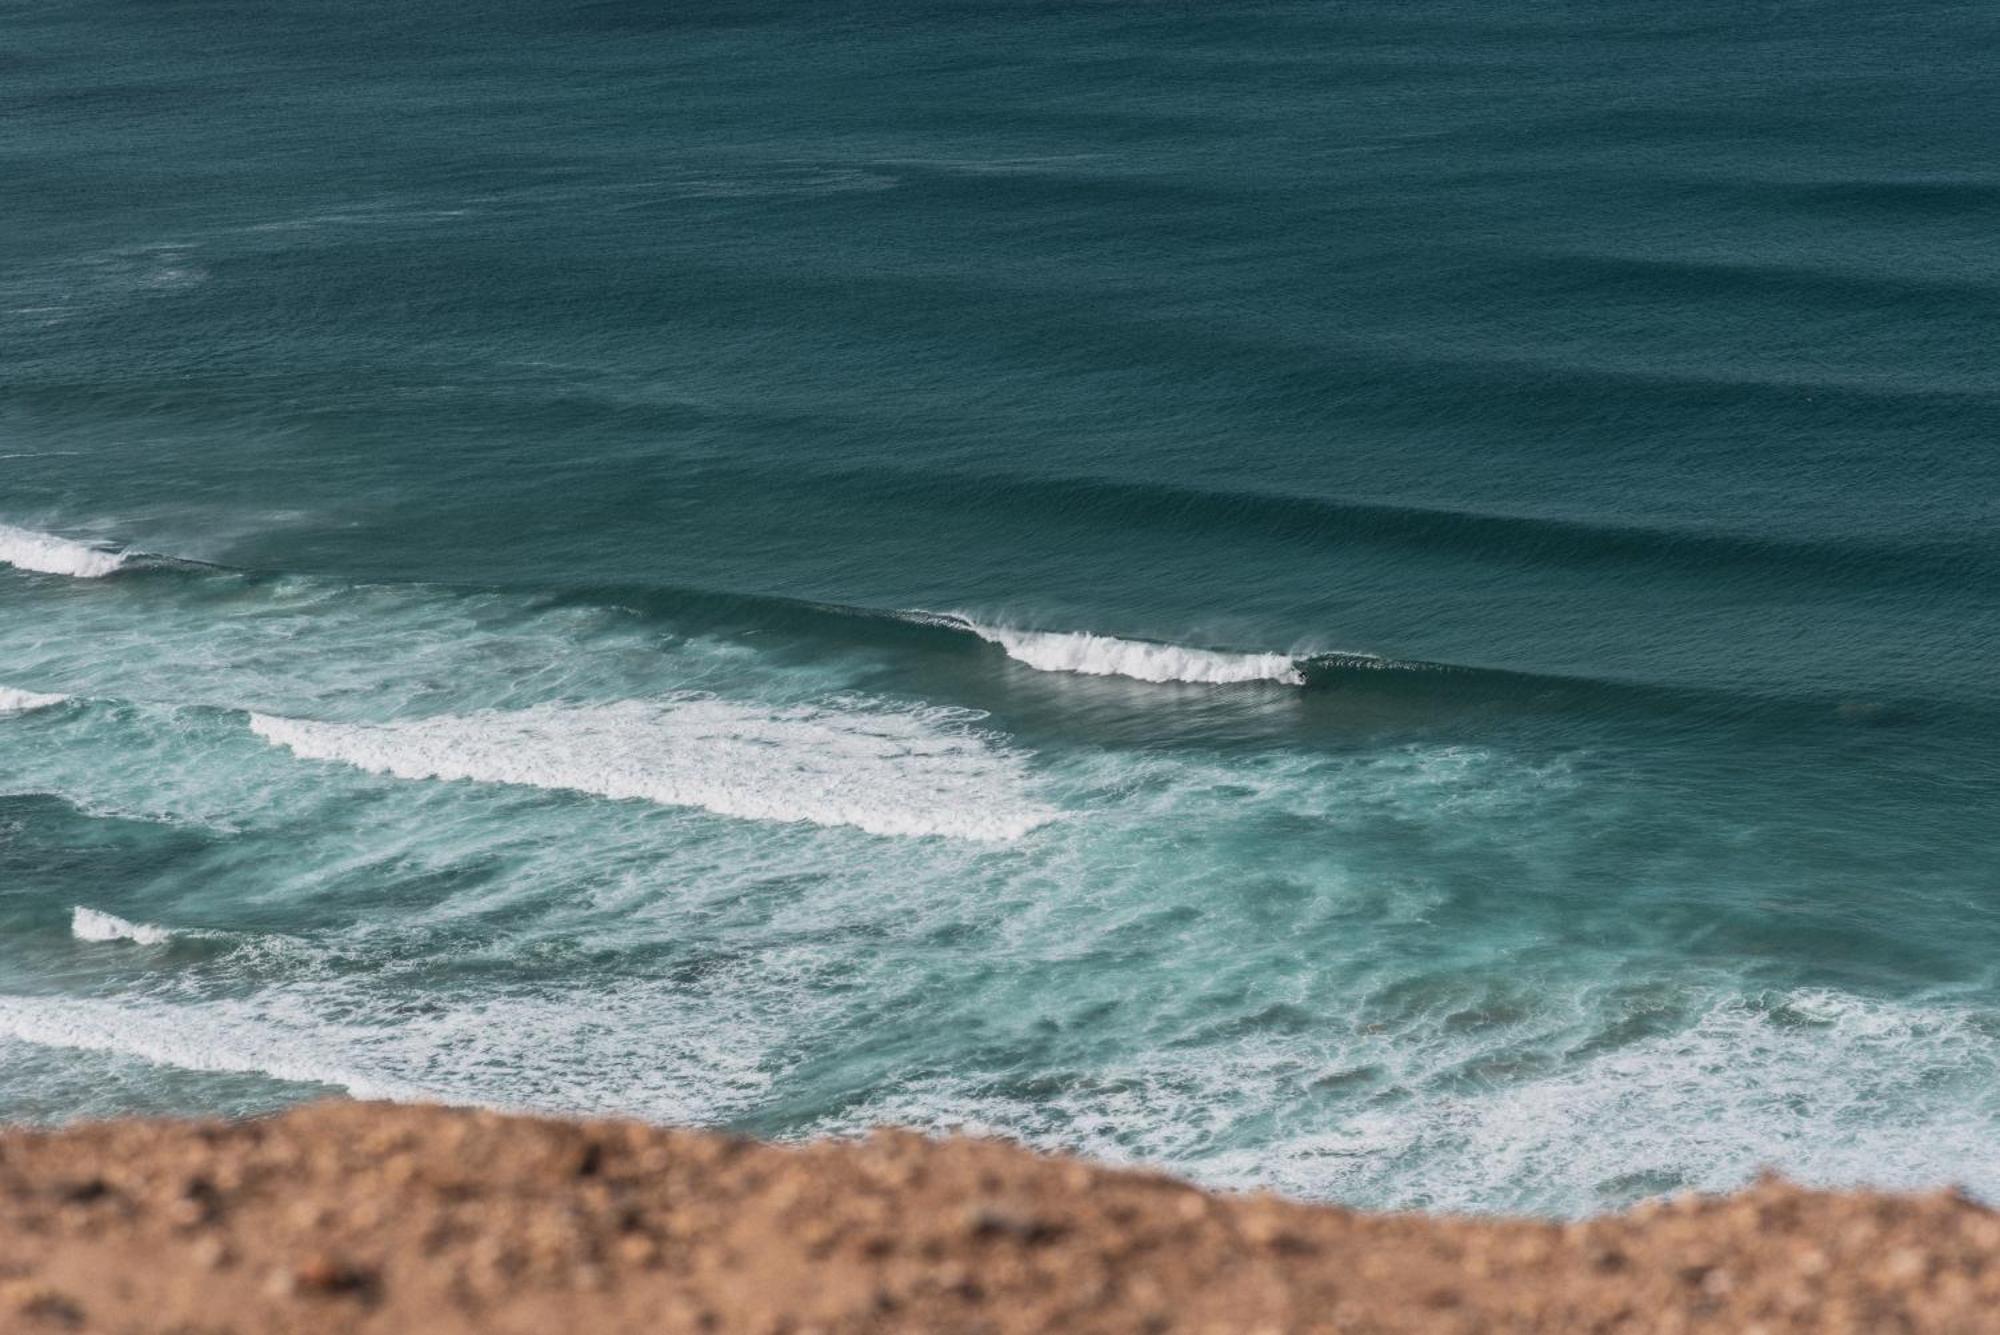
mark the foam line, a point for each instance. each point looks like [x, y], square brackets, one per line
[669, 1055]
[886, 770]
[166, 1037]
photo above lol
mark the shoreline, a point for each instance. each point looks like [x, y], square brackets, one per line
[348, 1216]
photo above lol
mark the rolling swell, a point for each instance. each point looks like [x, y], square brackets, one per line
[806, 630]
[800, 630]
[807, 627]
[1524, 540]
[1951, 195]
[807, 624]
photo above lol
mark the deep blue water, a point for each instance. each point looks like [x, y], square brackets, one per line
[1396, 602]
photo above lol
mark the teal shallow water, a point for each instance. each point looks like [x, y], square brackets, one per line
[1391, 603]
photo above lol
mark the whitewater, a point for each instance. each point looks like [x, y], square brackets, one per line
[16, 701]
[885, 771]
[842, 863]
[88, 924]
[552, 728]
[1140, 660]
[26, 549]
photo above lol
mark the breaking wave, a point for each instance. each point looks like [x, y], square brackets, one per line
[20, 702]
[885, 770]
[90, 925]
[1141, 660]
[47, 554]
[1093, 655]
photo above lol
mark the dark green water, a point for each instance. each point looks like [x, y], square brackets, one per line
[1391, 601]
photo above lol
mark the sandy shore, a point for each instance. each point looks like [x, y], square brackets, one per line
[368, 1217]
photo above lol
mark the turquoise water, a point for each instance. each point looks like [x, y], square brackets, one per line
[1391, 602]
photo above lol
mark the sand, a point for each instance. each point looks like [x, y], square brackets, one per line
[371, 1218]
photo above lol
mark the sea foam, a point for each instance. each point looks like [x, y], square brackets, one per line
[165, 1036]
[25, 549]
[886, 770]
[91, 925]
[664, 1052]
[1743, 1085]
[20, 702]
[1141, 660]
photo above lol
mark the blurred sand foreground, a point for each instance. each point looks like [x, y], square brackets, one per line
[370, 1217]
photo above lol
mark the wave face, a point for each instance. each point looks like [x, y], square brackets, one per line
[25, 549]
[14, 701]
[1140, 660]
[885, 771]
[87, 924]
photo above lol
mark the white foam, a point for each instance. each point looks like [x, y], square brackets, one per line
[20, 702]
[1141, 660]
[671, 1054]
[1832, 1090]
[26, 549]
[91, 925]
[170, 1036]
[885, 770]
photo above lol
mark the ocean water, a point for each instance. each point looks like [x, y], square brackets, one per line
[1395, 602]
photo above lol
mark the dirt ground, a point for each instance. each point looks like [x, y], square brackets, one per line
[374, 1218]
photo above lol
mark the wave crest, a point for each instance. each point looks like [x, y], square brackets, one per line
[1141, 660]
[14, 701]
[887, 771]
[91, 925]
[47, 554]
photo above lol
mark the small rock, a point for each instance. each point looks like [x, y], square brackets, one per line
[41, 1303]
[324, 1274]
[82, 1193]
[998, 1221]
